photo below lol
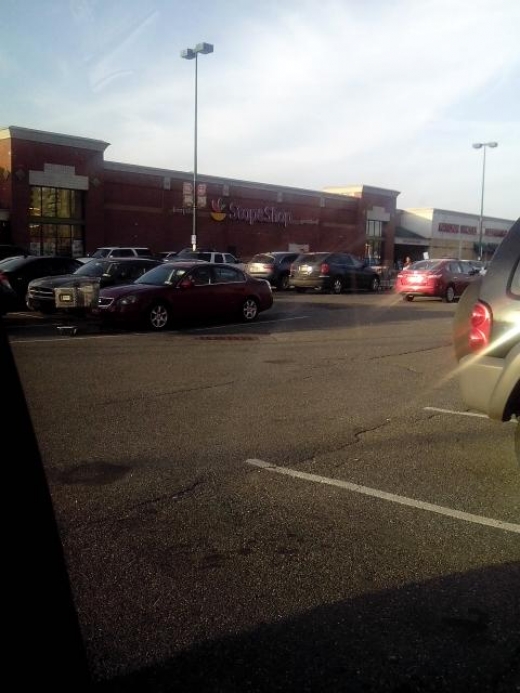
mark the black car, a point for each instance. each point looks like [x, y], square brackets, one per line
[93, 274]
[486, 336]
[9, 250]
[16, 273]
[333, 272]
[274, 266]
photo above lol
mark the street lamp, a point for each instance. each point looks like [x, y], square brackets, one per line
[482, 145]
[190, 54]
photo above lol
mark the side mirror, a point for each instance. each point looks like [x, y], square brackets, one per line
[186, 283]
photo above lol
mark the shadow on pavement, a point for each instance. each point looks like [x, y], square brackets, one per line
[457, 633]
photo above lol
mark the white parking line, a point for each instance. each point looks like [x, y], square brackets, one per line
[74, 338]
[247, 324]
[474, 414]
[459, 413]
[391, 497]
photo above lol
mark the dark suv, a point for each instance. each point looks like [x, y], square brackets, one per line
[94, 273]
[486, 333]
[275, 267]
[333, 272]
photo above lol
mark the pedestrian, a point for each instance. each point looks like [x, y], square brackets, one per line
[407, 262]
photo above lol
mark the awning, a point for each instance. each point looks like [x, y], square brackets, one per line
[406, 237]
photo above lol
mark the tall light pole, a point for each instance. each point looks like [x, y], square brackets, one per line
[482, 145]
[190, 54]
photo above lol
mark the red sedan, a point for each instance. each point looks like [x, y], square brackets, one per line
[177, 291]
[445, 279]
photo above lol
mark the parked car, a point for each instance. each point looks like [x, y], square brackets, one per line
[167, 255]
[16, 273]
[486, 335]
[208, 256]
[119, 251]
[444, 278]
[176, 291]
[9, 250]
[275, 267]
[333, 272]
[94, 273]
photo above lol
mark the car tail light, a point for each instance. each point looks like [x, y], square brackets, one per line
[480, 330]
[324, 268]
[4, 280]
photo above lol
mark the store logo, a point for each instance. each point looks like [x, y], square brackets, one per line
[251, 215]
[218, 209]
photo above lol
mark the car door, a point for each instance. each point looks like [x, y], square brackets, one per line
[343, 265]
[457, 276]
[194, 296]
[228, 289]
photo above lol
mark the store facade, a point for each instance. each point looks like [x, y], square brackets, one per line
[58, 194]
[446, 233]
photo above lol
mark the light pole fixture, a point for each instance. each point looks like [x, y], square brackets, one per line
[484, 146]
[190, 54]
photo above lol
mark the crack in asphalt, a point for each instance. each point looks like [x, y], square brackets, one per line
[179, 495]
[158, 395]
[413, 351]
[357, 436]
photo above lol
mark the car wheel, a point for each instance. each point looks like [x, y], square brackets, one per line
[449, 294]
[517, 442]
[283, 283]
[407, 298]
[337, 285]
[374, 284]
[250, 309]
[158, 317]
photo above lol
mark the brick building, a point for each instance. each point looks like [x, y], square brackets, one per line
[58, 194]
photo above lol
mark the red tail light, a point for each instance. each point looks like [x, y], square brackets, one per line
[4, 280]
[324, 268]
[480, 332]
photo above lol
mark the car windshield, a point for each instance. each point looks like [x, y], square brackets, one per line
[163, 274]
[101, 252]
[263, 259]
[312, 258]
[425, 265]
[94, 268]
[189, 254]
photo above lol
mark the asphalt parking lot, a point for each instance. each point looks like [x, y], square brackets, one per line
[301, 503]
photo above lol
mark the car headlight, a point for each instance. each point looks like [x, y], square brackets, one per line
[128, 300]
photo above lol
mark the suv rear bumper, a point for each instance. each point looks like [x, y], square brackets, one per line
[487, 383]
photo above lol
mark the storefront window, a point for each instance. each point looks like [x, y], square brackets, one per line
[35, 209]
[56, 239]
[49, 202]
[54, 207]
[374, 242]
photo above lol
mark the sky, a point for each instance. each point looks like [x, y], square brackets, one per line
[300, 93]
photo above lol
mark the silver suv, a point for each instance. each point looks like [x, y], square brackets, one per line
[486, 333]
[207, 256]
